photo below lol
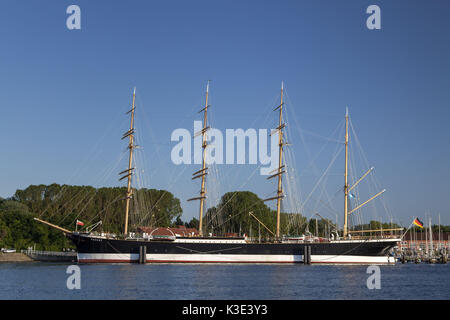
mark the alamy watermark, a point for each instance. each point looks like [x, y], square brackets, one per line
[235, 152]
[374, 20]
[374, 280]
[74, 280]
[73, 21]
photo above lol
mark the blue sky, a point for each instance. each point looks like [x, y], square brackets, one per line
[63, 92]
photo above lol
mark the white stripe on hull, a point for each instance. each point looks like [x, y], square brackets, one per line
[224, 258]
[231, 258]
[108, 257]
[344, 259]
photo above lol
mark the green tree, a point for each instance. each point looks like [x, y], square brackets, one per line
[232, 215]
[64, 204]
[194, 223]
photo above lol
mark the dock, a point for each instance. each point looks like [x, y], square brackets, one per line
[51, 256]
[14, 257]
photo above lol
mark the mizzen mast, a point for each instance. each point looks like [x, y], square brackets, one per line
[346, 177]
[348, 188]
[203, 172]
[280, 170]
[129, 172]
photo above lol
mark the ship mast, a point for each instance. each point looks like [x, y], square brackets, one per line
[346, 177]
[348, 188]
[128, 172]
[280, 171]
[280, 159]
[203, 172]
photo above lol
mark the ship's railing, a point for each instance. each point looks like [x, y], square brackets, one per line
[287, 240]
[313, 239]
[390, 236]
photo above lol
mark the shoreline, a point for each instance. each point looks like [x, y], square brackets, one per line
[14, 257]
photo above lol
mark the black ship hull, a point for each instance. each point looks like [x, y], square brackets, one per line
[93, 249]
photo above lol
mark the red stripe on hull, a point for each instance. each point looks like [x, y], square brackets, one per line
[171, 261]
[221, 262]
[351, 262]
[106, 261]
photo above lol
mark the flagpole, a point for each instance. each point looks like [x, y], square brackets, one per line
[407, 229]
[439, 233]
[415, 240]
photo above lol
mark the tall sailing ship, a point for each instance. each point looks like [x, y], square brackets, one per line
[145, 248]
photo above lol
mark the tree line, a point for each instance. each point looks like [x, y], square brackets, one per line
[232, 214]
[63, 205]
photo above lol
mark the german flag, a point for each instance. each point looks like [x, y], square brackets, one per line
[418, 223]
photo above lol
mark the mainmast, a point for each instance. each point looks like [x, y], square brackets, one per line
[128, 172]
[203, 172]
[280, 171]
[346, 177]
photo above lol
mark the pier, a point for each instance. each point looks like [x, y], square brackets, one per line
[14, 257]
[51, 256]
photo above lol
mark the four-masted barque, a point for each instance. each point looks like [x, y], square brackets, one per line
[347, 249]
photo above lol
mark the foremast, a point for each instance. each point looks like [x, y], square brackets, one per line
[203, 172]
[280, 170]
[129, 172]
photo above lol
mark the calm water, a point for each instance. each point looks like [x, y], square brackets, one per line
[215, 281]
